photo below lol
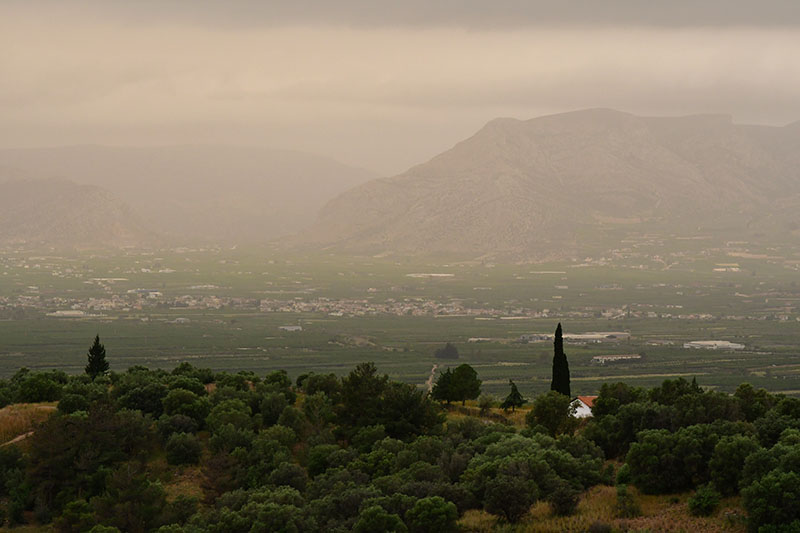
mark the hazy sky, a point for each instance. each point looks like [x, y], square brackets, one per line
[378, 84]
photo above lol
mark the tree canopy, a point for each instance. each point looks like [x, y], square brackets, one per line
[458, 385]
[366, 453]
[96, 364]
[448, 351]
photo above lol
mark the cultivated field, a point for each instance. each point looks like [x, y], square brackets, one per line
[239, 309]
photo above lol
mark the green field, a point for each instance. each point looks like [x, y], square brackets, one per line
[224, 309]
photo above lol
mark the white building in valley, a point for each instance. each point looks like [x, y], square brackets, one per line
[714, 345]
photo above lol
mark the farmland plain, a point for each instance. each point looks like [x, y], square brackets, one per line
[261, 309]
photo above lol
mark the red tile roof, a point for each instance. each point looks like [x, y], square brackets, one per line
[588, 400]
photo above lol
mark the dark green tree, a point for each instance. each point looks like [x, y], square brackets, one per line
[513, 400]
[727, 463]
[704, 501]
[772, 500]
[362, 389]
[465, 384]
[560, 382]
[448, 352]
[97, 364]
[183, 448]
[443, 387]
[375, 518]
[432, 514]
[554, 411]
[510, 497]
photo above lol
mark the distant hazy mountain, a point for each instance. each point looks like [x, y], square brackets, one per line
[558, 184]
[208, 193]
[63, 214]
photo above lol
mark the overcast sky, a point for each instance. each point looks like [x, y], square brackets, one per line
[378, 84]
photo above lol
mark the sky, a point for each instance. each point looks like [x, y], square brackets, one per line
[378, 84]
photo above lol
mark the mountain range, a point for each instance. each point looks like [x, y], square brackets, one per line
[557, 185]
[58, 213]
[202, 193]
[554, 186]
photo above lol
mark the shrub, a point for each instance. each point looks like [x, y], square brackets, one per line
[433, 514]
[627, 506]
[70, 403]
[564, 500]
[39, 387]
[184, 402]
[485, 402]
[375, 518]
[77, 516]
[600, 527]
[728, 461]
[554, 411]
[624, 474]
[183, 448]
[168, 425]
[510, 497]
[704, 502]
[772, 500]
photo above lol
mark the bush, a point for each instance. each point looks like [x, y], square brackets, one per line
[432, 515]
[704, 502]
[375, 518]
[77, 516]
[183, 448]
[772, 500]
[485, 402]
[624, 475]
[184, 402]
[564, 500]
[600, 527]
[449, 351]
[39, 387]
[509, 497]
[70, 403]
[728, 461]
[168, 425]
[554, 411]
[627, 506]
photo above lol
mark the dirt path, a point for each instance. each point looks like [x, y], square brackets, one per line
[17, 439]
[429, 383]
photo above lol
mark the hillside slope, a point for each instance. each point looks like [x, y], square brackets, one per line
[213, 193]
[63, 214]
[555, 184]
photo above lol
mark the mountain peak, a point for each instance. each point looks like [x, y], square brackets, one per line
[558, 183]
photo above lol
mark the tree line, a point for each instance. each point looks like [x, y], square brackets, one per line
[365, 453]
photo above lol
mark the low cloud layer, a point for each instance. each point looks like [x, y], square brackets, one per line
[381, 91]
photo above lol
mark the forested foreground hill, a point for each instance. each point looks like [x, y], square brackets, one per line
[191, 450]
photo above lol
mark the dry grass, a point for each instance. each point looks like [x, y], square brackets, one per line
[597, 505]
[517, 418]
[21, 418]
[659, 514]
[475, 521]
[186, 481]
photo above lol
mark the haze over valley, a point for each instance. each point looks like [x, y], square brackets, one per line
[410, 267]
[555, 186]
[181, 194]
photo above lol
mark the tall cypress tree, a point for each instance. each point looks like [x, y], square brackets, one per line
[96, 364]
[560, 382]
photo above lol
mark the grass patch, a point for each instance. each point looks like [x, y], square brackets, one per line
[22, 418]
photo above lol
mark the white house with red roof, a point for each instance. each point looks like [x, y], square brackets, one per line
[583, 406]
